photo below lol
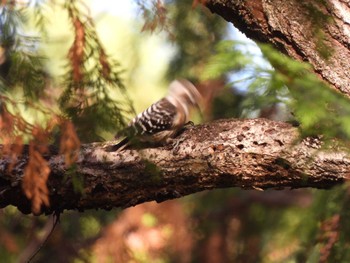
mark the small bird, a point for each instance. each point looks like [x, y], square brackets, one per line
[163, 120]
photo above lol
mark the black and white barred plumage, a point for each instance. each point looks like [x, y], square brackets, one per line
[163, 119]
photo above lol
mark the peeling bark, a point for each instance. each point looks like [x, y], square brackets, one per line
[314, 31]
[251, 154]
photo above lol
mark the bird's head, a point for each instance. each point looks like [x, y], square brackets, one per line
[185, 92]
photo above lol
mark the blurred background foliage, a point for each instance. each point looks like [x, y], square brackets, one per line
[146, 45]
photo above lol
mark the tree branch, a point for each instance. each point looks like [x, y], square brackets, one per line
[253, 154]
[313, 31]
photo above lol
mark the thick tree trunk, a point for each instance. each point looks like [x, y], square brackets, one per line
[252, 154]
[314, 31]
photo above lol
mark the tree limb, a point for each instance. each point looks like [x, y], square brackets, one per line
[313, 31]
[253, 154]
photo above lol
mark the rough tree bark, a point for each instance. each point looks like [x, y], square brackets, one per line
[314, 31]
[252, 154]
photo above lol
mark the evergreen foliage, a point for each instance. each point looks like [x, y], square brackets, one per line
[319, 109]
[90, 80]
[194, 34]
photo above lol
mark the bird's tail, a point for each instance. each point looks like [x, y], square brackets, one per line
[119, 146]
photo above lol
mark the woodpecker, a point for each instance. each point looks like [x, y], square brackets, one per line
[163, 120]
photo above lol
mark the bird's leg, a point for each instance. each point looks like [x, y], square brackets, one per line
[173, 143]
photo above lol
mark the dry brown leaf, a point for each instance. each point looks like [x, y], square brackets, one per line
[6, 121]
[12, 145]
[37, 171]
[159, 18]
[69, 144]
[12, 149]
[76, 52]
[52, 123]
[35, 177]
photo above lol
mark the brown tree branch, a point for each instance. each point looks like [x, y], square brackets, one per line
[314, 31]
[252, 154]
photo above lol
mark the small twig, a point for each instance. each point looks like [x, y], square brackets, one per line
[56, 218]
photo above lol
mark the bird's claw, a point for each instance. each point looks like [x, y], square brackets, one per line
[175, 145]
